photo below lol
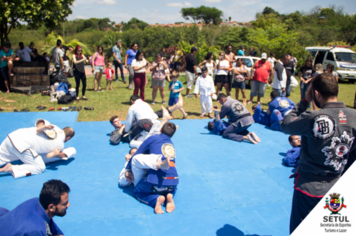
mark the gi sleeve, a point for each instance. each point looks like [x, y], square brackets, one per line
[143, 149]
[212, 86]
[129, 119]
[224, 110]
[115, 137]
[42, 120]
[291, 157]
[197, 85]
[298, 120]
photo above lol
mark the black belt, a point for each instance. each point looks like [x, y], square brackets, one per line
[320, 178]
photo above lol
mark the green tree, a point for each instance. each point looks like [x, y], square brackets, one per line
[269, 10]
[135, 23]
[34, 12]
[206, 14]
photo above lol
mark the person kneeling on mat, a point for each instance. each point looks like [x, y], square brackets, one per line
[239, 120]
[278, 108]
[35, 216]
[292, 157]
[35, 146]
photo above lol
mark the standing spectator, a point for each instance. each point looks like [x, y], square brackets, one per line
[252, 52]
[79, 71]
[355, 101]
[24, 53]
[163, 54]
[330, 70]
[158, 70]
[6, 57]
[175, 86]
[116, 52]
[222, 67]
[306, 73]
[240, 75]
[318, 69]
[57, 56]
[289, 65]
[191, 70]
[294, 60]
[98, 67]
[45, 55]
[109, 71]
[178, 59]
[205, 85]
[32, 47]
[66, 52]
[209, 63]
[260, 72]
[272, 59]
[280, 77]
[241, 51]
[171, 61]
[230, 56]
[139, 65]
[129, 57]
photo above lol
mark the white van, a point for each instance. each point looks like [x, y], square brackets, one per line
[343, 59]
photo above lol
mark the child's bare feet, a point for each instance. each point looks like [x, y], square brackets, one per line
[6, 168]
[255, 137]
[165, 114]
[160, 201]
[170, 203]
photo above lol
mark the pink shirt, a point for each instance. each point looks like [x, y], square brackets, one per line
[99, 60]
[109, 73]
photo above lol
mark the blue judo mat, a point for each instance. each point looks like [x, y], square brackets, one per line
[226, 187]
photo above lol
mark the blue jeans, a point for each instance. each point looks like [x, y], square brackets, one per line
[288, 90]
[119, 65]
[303, 89]
[280, 93]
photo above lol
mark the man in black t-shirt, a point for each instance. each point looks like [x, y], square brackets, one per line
[289, 65]
[191, 69]
[67, 51]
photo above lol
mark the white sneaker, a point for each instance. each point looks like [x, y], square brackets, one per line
[153, 103]
[164, 102]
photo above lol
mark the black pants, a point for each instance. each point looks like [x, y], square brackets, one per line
[119, 65]
[236, 133]
[302, 205]
[159, 113]
[80, 76]
[141, 125]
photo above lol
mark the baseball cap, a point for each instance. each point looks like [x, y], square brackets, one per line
[264, 55]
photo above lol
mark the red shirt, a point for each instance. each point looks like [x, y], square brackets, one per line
[262, 71]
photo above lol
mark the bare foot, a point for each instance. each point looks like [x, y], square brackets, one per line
[185, 116]
[6, 168]
[162, 164]
[210, 116]
[249, 138]
[158, 207]
[170, 203]
[111, 88]
[249, 102]
[255, 137]
[258, 102]
[180, 101]
[106, 89]
[7, 91]
[165, 114]
[202, 115]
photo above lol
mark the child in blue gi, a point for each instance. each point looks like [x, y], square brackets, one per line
[175, 86]
[217, 126]
[292, 157]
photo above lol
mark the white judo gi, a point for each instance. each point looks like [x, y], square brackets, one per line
[138, 111]
[141, 163]
[206, 87]
[31, 148]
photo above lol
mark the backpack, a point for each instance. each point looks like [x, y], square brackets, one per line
[63, 87]
[65, 99]
[91, 59]
[57, 76]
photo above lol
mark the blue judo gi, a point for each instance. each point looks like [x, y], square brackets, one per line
[28, 219]
[157, 182]
[292, 157]
[279, 107]
[220, 127]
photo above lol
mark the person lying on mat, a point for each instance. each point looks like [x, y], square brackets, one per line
[35, 146]
[278, 108]
[292, 157]
[217, 126]
[140, 129]
[35, 216]
[239, 120]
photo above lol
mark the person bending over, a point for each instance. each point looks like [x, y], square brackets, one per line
[292, 157]
[35, 216]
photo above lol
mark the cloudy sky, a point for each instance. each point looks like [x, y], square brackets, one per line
[167, 11]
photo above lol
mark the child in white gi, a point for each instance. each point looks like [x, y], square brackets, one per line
[206, 86]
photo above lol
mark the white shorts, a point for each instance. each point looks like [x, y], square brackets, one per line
[66, 66]
[190, 79]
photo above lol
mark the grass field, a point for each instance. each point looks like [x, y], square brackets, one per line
[116, 102]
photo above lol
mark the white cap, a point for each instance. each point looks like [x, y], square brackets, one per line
[264, 55]
[70, 152]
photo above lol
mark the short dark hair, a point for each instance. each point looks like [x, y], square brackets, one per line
[330, 66]
[272, 54]
[69, 132]
[290, 138]
[283, 56]
[113, 118]
[211, 125]
[227, 46]
[193, 49]
[221, 95]
[51, 192]
[204, 69]
[134, 97]
[132, 150]
[274, 94]
[326, 85]
[59, 42]
[242, 47]
[169, 129]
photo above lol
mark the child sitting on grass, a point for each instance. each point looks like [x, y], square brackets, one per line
[109, 75]
[175, 86]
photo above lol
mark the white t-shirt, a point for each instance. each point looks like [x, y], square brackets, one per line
[136, 63]
[139, 110]
[24, 54]
[271, 60]
[223, 63]
[57, 53]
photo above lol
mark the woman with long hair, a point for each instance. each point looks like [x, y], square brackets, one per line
[158, 70]
[209, 63]
[98, 67]
[129, 57]
[330, 70]
[79, 71]
[240, 75]
[139, 65]
[306, 73]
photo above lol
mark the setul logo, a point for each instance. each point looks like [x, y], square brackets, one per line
[335, 205]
